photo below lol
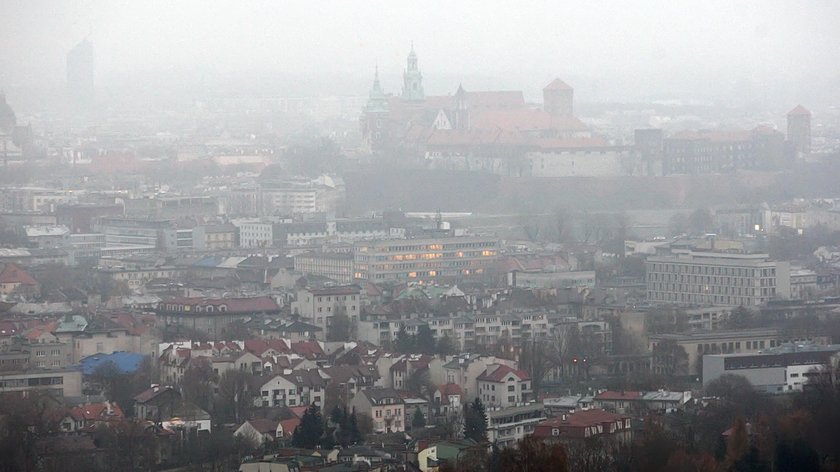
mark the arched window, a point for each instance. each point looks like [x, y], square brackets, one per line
[210, 308]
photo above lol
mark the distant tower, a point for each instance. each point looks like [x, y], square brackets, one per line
[374, 115]
[799, 130]
[558, 98]
[80, 74]
[412, 79]
[462, 111]
[7, 116]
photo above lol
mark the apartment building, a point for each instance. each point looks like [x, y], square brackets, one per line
[506, 426]
[716, 278]
[318, 306]
[504, 386]
[425, 259]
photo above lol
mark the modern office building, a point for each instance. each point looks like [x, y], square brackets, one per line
[425, 259]
[716, 278]
[786, 368]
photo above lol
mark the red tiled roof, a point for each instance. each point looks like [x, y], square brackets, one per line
[259, 346]
[450, 389]
[289, 426]
[94, 411]
[298, 411]
[799, 110]
[574, 424]
[557, 84]
[264, 425]
[501, 372]
[12, 274]
[308, 349]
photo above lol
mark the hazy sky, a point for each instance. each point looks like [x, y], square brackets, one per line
[613, 41]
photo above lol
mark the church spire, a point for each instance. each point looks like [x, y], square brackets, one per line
[377, 102]
[412, 79]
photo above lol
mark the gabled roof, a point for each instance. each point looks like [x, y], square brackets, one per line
[94, 411]
[501, 372]
[12, 274]
[799, 110]
[557, 84]
[448, 390]
[378, 395]
[264, 425]
[152, 393]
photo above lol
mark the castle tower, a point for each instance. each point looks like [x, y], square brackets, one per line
[80, 75]
[558, 98]
[412, 79]
[374, 115]
[462, 112]
[799, 130]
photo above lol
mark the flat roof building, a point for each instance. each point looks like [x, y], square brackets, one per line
[716, 278]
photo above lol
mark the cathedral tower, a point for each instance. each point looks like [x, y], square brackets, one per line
[558, 98]
[412, 79]
[799, 130]
[374, 116]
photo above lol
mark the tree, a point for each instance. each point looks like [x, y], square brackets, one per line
[418, 421]
[420, 383]
[669, 358]
[233, 401]
[120, 387]
[536, 357]
[197, 384]
[475, 421]
[534, 455]
[741, 318]
[738, 443]
[339, 329]
[425, 341]
[445, 346]
[405, 342]
[700, 221]
[310, 430]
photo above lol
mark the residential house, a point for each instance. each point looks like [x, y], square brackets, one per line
[384, 406]
[156, 403]
[16, 281]
[504, 386]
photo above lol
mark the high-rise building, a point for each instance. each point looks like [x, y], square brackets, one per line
[799, 130]
[80, 74]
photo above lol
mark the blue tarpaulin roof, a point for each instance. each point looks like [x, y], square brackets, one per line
[126, 362]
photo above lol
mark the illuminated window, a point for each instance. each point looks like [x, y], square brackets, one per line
[459, 254]
[432, 273]
[412, 275]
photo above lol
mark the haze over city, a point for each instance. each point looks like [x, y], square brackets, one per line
[439, 237]
[700, 50]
